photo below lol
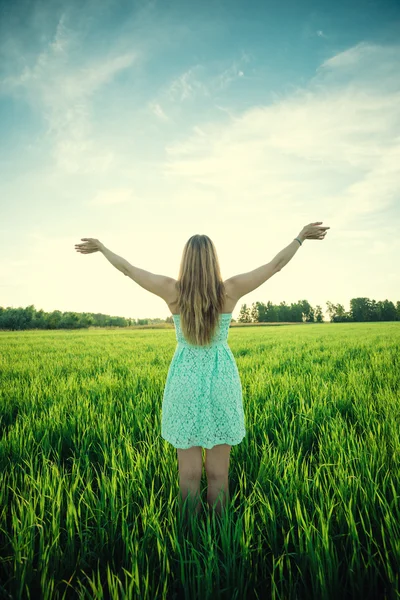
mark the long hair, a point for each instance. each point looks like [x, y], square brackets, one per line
[201, 291]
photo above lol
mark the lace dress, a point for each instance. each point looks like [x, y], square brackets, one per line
[202, 403]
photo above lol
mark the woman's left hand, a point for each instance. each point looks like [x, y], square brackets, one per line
[91, 245]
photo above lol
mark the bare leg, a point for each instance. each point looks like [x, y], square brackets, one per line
[190, 488]
[217, 469]
[190, 468]
[218, 493]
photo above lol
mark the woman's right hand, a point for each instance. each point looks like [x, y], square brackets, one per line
[313, 231]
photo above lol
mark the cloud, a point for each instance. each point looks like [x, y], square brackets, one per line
[191, 82]
[61, 89]
[333, 146]
[195, 83]
[157, 110]
[351, 56]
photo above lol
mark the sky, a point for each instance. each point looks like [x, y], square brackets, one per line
[143, 123]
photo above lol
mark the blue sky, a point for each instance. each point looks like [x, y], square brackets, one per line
[142, 124]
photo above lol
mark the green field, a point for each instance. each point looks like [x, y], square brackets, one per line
[89, 489]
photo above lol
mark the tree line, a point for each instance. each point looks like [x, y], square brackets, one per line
[29, 318]
[361, 310]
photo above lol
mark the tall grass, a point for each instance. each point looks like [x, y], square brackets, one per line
[89, 491]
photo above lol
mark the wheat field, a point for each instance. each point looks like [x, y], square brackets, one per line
[89, 489]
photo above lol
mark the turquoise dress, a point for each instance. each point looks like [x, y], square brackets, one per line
[202, 403]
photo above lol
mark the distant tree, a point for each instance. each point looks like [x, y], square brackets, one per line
[244, 314]
[117, 321]
[100, 320]
[319, 317]
[262, 312]
[30, 314]
[271, 313]
[331, 309]
[69, 320]
[398, 310]
[284, 312]
[388, 311]
[40, 319]
[337, 313]
[85, 320]
[342, 315]
[254, 313]
[53, 319]
[295, 313]
[307, 311]
[15, 319]
[360, 309]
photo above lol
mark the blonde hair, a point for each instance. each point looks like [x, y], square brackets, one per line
[201, 291]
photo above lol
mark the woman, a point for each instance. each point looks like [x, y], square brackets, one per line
[202, 403]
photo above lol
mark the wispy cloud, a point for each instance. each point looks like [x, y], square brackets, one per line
[62, 89]
[333, 146]
[158, 111]
[196, 83]
[354, 56]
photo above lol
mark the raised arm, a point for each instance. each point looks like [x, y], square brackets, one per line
[156, 284]
[244, 283]
[117, 261]
[161, 285]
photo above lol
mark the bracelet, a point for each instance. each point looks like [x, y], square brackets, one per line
[298, 241]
